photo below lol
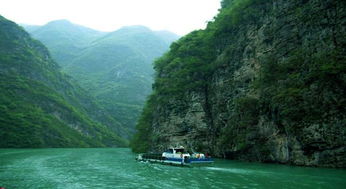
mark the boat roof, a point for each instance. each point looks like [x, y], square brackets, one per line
[180, 147]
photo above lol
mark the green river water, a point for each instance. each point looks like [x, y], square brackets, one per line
[117, 168]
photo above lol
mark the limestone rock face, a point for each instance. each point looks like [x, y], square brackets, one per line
[201, 119]
[187, 127]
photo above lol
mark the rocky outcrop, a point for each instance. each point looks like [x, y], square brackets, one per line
[253, 107]
[317, 27]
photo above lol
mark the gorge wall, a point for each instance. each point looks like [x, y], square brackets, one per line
[265, 81]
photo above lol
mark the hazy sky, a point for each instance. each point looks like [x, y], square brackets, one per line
[179, 16]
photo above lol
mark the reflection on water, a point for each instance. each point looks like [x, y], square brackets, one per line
[116, 168]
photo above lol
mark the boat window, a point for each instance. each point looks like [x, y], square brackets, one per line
[179, 150]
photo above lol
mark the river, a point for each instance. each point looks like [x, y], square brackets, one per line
[117, 168]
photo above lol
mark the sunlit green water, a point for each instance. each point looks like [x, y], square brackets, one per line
[116, 168]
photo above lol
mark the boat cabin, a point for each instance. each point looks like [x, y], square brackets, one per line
[178, 152]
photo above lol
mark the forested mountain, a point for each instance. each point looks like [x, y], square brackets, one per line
[265, 81]
[115, 67]
[64, 39]
[41, 106]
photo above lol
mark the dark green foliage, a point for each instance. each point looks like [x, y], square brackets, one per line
[299, 81]
[245, 116]
[246, 111]
[142, 140]
[308, 87]
[189, 65]
[186, 67]
[40, 106]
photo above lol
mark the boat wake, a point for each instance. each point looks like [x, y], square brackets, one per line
[233, 170]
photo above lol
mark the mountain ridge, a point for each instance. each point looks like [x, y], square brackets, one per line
[115, 67]
[42, 107]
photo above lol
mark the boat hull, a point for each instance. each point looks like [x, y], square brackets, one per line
[174, 161]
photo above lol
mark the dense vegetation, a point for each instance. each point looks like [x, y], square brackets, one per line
[40, 106]
[297, 84]
[187, 67]
[116, 67]
[63, 39]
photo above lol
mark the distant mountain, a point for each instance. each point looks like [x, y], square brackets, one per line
[63, 38]
[116, 67]
[30, 28]
[167, 36]
[42, 107]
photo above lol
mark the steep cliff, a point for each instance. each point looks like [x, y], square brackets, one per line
[265, 81]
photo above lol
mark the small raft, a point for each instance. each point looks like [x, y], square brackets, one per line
[176, 156]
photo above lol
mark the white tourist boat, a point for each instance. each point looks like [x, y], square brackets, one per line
[176, 156]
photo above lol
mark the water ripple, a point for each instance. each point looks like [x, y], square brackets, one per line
[116, 168]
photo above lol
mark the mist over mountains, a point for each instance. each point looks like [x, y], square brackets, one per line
[78, 88]
[114, 67]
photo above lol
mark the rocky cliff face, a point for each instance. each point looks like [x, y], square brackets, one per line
[276, 89]
[315, 26]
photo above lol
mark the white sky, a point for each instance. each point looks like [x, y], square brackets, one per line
[178, 16]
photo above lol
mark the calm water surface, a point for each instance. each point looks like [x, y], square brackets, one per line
[116, 168]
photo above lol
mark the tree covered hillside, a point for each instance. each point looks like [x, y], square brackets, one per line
[115, 67]
[265, 81]
[63, 39]
[42, 107]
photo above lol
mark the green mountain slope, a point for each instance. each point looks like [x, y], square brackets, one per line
[116, 67]
[40, 106]
[63, 38]
[117, 70]
[264, 82]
